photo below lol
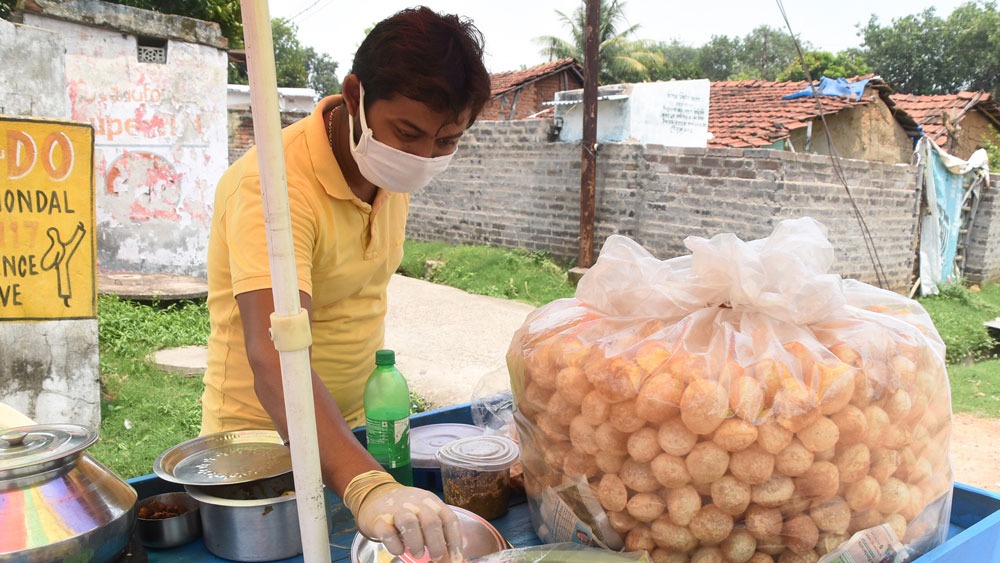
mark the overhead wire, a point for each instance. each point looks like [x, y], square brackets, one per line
[308, 8]
[880, 275]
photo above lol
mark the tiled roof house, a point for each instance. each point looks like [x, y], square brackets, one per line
[519, 94]
[752, 113]
[956, 122]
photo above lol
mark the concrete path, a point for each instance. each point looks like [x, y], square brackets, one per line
[446, 340]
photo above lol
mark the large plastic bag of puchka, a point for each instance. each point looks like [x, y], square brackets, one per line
[561, 553]
[734, 401]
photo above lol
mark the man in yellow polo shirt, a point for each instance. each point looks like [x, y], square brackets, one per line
[417, 83]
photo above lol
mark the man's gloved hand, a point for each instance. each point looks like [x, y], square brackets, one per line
[403, 518]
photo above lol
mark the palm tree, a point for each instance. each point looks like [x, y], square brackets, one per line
[621, 59]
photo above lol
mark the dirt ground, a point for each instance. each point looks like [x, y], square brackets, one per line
[975, 451]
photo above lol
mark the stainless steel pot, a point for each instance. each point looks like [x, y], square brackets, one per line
[254, 521]
[58, 503]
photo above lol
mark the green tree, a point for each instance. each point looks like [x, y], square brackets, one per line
[6, 7]
[322, 73]
[226, 13]
[295, 66]
[621, 58]
[719, 58]
[679, 62]
[925, 54]
[844, 64]
[764, 53]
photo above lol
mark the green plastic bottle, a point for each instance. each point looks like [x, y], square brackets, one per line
[387, 417]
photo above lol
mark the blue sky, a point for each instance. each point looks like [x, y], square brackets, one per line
[510, 27]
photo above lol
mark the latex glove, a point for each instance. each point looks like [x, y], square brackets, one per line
[403, 518]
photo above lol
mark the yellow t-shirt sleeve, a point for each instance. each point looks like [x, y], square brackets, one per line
[247, 235]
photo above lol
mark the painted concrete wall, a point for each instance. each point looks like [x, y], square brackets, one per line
[35, 85]
[48, 369]
[161, 144]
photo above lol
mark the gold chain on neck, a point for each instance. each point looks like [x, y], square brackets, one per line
[329, 126]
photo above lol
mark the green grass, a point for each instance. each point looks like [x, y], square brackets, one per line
[975, 389]
[520, 275]
[145, 410]
[958, 314]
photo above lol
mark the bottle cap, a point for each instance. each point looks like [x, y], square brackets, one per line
[385, 358]
[481, 453]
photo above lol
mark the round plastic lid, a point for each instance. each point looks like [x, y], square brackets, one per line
[425, 441]
[41, 445]
[481, 453]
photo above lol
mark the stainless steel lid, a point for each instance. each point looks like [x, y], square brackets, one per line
[479, 538]
[426, 440]
[225, 458]
[32, 449]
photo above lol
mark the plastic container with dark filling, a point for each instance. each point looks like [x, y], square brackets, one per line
[475, 474]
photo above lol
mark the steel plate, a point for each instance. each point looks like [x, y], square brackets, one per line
[479, 538]
[225, 458]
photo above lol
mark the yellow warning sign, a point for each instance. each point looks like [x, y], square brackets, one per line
[47, 245]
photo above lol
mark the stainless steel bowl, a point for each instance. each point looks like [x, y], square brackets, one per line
[162, 533]
[479, 538]
[250, 521]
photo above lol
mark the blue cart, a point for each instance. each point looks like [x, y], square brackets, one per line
[973, 534]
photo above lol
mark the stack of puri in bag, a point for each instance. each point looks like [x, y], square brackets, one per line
[737, 404]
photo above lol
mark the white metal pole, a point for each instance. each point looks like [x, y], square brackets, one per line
[289, 324]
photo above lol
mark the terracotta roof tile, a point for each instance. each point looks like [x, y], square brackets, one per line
[928, 111]
[746, 113]
[502, 82]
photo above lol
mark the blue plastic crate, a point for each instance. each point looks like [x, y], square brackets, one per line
[973, 534]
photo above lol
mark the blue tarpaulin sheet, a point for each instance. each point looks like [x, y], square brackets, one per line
[833, 87]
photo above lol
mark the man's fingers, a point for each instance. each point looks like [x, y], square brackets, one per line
[385, 532]
[408, 526]
[433, 534]
[452, 529]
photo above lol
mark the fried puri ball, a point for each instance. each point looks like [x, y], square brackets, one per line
[707, 462]
[703, 406]
[642, 445]
[671, 536]
[821, 481]
[610, 439]
[853, 462]
[645, 507]
[864, 520]
[773, 437]
[752, 465]
[774, 492]
[851, 424]
[579, 464]
[792, 557]
[711, 525]
[609, 462]
[671, 471]
[638, 477]
[611, 492]
[583, 436]
[794, 460]
[800, 533]
[619, 381]
[624, 418]
[863, 494]
[735, 434]
[659, 398]
[572, 384]
[885, 462]
[639, 538]
[561, 410]
[898, 524]
[682, 504]
[829, 542]
[746, 398]
[551, 428]
[895, 496]
[794, 405]
[660, 555]
[594, 408]
[675, 438]
[535, 399]
[836, 384]
[820, 435]
[622, 521]
[763, 522]
[739, 547]
[730, 495]
[760, 557]
[831, 515]
[708, 554]
[898, 405]
[878, 424]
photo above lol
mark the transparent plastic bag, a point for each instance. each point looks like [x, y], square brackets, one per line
[738, 398]
[492, 404]
[566, 552]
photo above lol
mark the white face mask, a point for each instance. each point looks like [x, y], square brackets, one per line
[389, 168]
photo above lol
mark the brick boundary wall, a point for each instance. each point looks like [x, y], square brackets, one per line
[240, 125]
[509, 186]
[983, 254]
